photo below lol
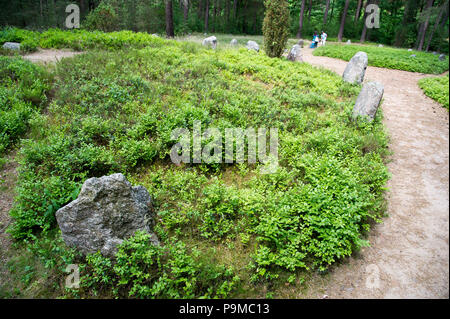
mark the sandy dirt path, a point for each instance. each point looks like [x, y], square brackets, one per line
[409, 253]
[8, 178]
[49, 55]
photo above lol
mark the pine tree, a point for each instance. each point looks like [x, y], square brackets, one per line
[275, 27]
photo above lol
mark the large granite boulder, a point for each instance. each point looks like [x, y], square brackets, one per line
[356, 68]
[295, 54]
[368, 101]
[107, 211]
[252, 45]
[210, 41]
[14, 46]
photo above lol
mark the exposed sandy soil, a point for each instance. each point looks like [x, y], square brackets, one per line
[409, 253]
[46, 56]
[8, 177]
[410, 249]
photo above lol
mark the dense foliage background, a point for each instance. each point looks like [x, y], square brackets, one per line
[422, 24]
[226, 229]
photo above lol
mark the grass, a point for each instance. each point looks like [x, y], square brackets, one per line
[388, 57]
[227, 230]
[436, 88]
[22, 92]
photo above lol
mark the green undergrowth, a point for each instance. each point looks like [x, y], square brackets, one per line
[226, 230]
[436, 88]
[387, 57]
[23, 92]
[78, 39]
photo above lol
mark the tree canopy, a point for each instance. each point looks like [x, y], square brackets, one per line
[422, 24]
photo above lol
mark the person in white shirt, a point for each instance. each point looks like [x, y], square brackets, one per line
[323, 38]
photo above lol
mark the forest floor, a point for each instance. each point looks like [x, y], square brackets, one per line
[50, 55]
[409, 252]
[8, 177]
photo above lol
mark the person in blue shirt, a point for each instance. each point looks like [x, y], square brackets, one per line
[315, 40]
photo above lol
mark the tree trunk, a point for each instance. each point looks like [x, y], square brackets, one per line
[169, 19]
[358, 11]
[325, 13]
[200, 9]
[300, 20]
[206, 16]
[446, 14]
[434, 29]
[425, 25]
[409, 17]
[344, 15]
[309, 9]
[332, 10]
[235, 9]
[364, 30]
[185, 10]
[227, 12]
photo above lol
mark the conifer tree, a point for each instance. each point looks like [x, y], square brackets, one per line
[275, 27]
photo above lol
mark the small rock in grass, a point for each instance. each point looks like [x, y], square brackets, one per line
[234, 42]
[380, 45]
[409, 50]
[14, 46]
[210, 41]
[356, 68]
[295, 54]
[349, 41]
[368, 101]
[252, 45]
[442, 57]
[412, 56]
[107, 211]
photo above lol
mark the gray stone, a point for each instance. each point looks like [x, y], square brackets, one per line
[412, 56]
[442, 57]
[349, 41]
[409, 50]
[14, 46]
[434, 52]
[295, 54]
[252, 45]
[234, 42]
[301, 43]
[210, 41]
[368, 101]
[356, 68]
[107, 211]
[380, 45]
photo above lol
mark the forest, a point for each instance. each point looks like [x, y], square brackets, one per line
[101, 198]
[419, 24]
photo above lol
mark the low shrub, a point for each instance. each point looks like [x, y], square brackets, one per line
[387, 57]
[436, 88]
[23, 91]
